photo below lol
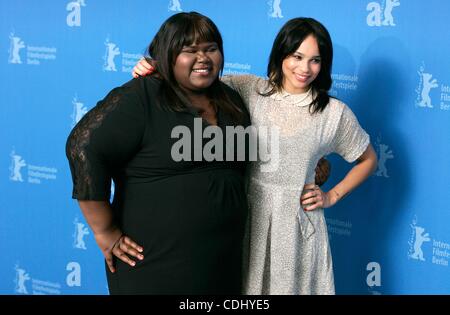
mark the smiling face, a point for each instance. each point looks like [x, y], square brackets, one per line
[302, 67]
[197, 66]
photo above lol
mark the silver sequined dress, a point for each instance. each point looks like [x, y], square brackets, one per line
[288, 248]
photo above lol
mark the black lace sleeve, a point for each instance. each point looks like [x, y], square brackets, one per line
[106, 138]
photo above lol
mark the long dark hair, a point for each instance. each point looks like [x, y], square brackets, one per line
[184, 29]
[289, 38]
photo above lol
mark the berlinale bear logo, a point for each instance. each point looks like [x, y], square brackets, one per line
[275, 9]
[112, 50]
[17, 162]
[21, 277]
[16, 44]
[427, 82]
[175, 5]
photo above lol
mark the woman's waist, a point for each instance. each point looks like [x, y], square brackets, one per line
[156, 175]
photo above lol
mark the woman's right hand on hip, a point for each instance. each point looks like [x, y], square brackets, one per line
[115, 243]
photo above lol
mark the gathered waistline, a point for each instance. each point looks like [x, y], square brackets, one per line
[274, 186]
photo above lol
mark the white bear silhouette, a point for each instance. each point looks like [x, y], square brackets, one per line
[111, 52]
[276, 9]
[420, 239]
[18, 163]
[16, 45]
[80, 233]
[428, 84]
[22, 276]
[383, 157]
[175, 5]
[79, 111]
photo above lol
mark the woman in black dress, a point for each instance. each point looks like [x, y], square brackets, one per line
[176, 224]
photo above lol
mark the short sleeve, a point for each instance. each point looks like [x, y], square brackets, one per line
[350, 140]
[103, 141]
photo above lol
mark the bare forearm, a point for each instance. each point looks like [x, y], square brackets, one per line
[98, 215]
[367, 164]
[313, 197]
[108, 236]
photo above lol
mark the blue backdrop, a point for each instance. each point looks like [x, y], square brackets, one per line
[391, 66]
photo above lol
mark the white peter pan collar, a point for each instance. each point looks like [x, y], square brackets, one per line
[303, 99]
